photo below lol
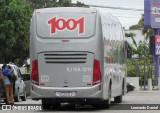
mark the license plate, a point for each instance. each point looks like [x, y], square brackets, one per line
[65, 94]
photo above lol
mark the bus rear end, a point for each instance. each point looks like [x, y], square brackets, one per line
[65, 52]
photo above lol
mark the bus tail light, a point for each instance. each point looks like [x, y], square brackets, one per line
[96, 72]
[34, 75]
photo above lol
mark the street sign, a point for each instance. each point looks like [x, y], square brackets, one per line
[152, 13]
[157, 49]
[157, 45]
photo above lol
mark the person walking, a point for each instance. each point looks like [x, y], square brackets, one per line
[7, 84]
[1, 75]
[13, 79]
[1, 82]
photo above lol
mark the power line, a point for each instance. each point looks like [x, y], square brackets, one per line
[120, 8]
[126, 17]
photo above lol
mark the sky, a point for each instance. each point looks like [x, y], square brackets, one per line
[126, 17]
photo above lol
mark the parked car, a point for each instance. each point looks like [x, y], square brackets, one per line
[130, 87]
[19, 85]
[26, 79]
[1, 90]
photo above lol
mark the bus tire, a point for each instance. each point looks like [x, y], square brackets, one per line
[46, 104]
[118, 99]
[56, 105]
[108, 101]
[123, 89]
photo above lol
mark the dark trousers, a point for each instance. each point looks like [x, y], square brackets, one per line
[13, 88]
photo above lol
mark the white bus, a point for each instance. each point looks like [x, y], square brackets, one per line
[77, 56]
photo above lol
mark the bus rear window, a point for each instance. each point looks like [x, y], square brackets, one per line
[65, 25]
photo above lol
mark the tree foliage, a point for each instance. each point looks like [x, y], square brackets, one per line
[140, 26]
[142, 49]
[131, 68]
[14, 36]
[132, 35]
[36, 4]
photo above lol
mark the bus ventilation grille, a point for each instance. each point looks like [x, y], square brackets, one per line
[65, 57]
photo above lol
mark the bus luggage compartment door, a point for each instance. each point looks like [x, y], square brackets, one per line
[65, 69]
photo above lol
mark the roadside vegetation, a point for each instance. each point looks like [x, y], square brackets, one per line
[141, 49]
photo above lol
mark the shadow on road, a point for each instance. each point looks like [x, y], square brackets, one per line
[82, 107]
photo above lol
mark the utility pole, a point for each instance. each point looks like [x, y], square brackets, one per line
[152, 20]
[156, 55]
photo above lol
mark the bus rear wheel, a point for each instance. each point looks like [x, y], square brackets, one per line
[50, 104]
[108, 101]
[46, 104]
[118, 99]
[56, 105]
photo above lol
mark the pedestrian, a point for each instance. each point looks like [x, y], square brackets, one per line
[1, 75]
[1, 82]
[13, 79]
[7, 84]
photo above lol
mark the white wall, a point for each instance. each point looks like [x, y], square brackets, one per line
[22, 69]
[135, 81]
[139, 37]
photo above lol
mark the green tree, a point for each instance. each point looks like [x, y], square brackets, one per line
[142, 50]
[132, 35]
[14, 26]
[36, 4]
[140, 26]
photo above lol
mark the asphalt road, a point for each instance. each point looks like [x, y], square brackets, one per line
[133, 102]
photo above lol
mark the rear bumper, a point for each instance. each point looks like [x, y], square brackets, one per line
[80, 92]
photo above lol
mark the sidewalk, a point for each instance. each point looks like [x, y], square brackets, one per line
[155, 88]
